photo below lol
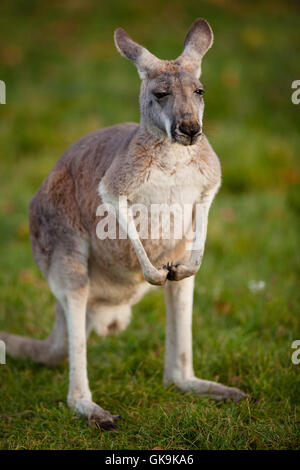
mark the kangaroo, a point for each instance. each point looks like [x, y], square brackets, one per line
[166, 158]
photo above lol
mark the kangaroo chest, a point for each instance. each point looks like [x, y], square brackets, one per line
[164, 204]
[180, 184]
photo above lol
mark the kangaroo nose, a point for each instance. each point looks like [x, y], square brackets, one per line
[189, 129]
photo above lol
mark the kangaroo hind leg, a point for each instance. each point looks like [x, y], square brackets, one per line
[73, 293]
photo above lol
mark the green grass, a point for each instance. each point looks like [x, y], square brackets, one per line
[65, 79]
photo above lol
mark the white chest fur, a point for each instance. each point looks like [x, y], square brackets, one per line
[174, 180]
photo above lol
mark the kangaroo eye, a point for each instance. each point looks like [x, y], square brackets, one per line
[200, 91]
[159, 96]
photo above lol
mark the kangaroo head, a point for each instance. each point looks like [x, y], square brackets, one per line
[171, 97]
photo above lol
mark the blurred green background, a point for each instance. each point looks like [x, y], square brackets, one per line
[64, 78]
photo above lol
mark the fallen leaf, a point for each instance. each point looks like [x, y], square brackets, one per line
[223, 307]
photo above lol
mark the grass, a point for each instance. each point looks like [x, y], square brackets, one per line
[65, 79]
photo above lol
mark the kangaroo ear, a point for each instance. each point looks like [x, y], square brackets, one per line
[197, 42]
[139, 55]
